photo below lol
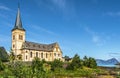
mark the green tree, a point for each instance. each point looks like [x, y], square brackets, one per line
[56, 64]
[76, 63]
[1, 66]
[86, 61]
[92, 63]
[12, 56]
[20, 70]
[37, 68]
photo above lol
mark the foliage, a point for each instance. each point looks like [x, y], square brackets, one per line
[37, 67]
[56, 64]
[1, 66]
[43, 69]
[3, 54]
[89, 62]
[85, 61]
[18, 69]
[76, 63]
[92, 63]
[12, 56]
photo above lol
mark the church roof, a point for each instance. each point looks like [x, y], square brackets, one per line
[40, 47]
[18, 22]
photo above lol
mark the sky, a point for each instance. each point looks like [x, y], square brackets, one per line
[83, 27]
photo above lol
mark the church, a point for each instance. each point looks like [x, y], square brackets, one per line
[29, 50]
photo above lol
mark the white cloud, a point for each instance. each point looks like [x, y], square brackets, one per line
[60, 3]
[38, 28]
[112, 13]
[97, 39]
[2, 7]
[115, 55]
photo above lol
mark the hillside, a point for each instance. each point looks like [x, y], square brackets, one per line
[3, 54]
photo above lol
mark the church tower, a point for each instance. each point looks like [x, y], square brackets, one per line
[18, 34]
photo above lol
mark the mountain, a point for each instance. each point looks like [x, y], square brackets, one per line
[3, 54]
[111, 61]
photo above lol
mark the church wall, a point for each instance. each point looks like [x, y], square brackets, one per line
[47, 56]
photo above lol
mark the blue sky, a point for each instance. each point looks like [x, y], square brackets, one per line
[85, 27]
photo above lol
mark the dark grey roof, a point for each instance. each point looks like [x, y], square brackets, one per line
[40, 47]
[18, 22]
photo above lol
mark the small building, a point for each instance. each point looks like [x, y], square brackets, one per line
[29, 50]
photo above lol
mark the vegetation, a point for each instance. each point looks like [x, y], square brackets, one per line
[85, 67]
[3, 54]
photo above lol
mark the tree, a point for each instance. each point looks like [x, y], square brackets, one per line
[76, 63]
[56, 64]
[67, 58]
[85, 61]
[12, 56]
[37, 68]
[1, 65]
[3, 55]
[92, 63]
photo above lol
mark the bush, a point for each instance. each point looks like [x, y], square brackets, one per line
[56, 64]
[1, 66]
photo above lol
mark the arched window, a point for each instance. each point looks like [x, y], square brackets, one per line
[13, 37]
[20, 37]
[31, 54]
[26, 57]
[13, 46]
[36, 54]
[46, 55]
[41, 55]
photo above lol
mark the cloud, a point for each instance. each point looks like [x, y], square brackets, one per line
[97, 39]
[112, 13]
[38, 28]
[3, 15]
[2, 7]
[60, 3]
[115, 55]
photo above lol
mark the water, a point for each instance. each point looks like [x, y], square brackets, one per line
[107, 65]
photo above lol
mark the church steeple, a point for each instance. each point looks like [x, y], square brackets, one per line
[18, 22]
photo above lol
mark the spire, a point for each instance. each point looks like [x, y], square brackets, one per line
[18, 22]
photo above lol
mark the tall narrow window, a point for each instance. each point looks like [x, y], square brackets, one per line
[58, 55]
[20, 37]
[13, 46]
[46, 55]
[26, 57]
[31, 54]
[36, 54]
[41, 55]
[13, 37]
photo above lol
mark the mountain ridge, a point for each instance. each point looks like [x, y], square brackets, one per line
[111, 61]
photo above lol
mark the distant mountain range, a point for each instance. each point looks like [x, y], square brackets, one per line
[111, 61]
